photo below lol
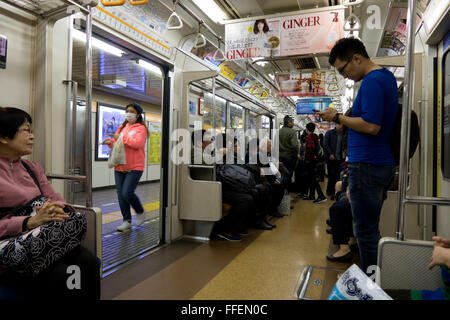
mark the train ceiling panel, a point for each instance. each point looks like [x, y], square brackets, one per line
[265, 7]
[46, 8]
[121, 76]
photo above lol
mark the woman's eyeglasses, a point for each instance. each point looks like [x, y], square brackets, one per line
[29, 130]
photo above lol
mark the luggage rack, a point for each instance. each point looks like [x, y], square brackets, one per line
[47, 8]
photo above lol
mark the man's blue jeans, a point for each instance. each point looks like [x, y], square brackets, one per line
[126, 183]
[368, 185]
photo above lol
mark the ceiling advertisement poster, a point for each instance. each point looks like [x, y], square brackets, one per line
[394, 38]
[302, 84]
[284, 36]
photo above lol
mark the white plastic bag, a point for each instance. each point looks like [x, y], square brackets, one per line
[354, 284]
[117, 155]
[285, 206]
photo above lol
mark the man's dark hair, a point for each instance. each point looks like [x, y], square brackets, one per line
[311, 127]
[287, 119]
[345, 48]
[10, 121]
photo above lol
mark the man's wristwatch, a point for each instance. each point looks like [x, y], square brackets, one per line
[336, 118]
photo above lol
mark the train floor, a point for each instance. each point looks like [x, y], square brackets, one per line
[265, 265]
[118, 247]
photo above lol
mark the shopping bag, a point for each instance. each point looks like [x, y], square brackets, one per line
[117, 155]
[354, 284]
[285, 206]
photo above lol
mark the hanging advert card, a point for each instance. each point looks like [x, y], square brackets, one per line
[3, 51]
[313, 32]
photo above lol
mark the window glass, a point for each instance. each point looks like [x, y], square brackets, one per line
[251, 123]
[220, 113]
[445, 163]
[236, 116]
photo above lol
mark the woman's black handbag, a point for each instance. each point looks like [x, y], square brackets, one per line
[32, 252]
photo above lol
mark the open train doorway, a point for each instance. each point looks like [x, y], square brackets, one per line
[120, 76]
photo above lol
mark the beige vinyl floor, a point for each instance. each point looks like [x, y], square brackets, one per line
[265, 265]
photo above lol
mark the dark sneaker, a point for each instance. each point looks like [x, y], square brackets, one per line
[243, 233]
[311, 198]
[229, 236]
[320, 200]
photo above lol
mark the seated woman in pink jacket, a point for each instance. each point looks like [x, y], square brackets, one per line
[21, 181]
[134, 135]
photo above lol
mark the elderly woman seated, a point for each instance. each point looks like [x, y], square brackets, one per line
[34, 262]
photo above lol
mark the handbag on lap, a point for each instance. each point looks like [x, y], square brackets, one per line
[33, 251]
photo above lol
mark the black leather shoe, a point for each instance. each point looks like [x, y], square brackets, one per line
[345, 258]
[329, 231]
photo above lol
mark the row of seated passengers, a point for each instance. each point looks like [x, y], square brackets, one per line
[249, 195]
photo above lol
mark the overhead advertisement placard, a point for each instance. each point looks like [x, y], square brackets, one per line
[302, 84]
[313, 32]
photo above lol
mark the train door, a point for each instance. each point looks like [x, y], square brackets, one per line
[122, 74]
[442, 220]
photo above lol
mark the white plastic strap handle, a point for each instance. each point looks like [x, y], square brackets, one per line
[200, 41]
[174, 22]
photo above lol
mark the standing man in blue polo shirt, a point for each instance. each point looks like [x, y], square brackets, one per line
[371, 164]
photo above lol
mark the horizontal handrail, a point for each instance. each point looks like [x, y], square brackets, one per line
[427, 200]
[201, 166]
[65, 177]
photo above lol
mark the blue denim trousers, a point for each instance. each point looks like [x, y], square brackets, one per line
[126, 183]
[368, 185]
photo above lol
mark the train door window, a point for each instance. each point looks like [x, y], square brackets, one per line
[445, 153]
[236, 116]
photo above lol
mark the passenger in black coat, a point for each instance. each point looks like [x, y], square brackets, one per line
[334, 155]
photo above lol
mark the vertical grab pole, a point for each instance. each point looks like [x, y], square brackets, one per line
[214, 105]
[88, 132]
[408, 100]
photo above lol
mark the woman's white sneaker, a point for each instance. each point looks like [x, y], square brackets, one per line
[140, 218]
[124, 226]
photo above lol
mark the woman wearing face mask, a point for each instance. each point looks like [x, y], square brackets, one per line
[134, 135]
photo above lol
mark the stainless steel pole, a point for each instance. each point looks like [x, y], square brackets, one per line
[406, 119]
[88, 132]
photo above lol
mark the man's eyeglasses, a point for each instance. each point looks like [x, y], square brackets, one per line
[341, 70]
[29, 130]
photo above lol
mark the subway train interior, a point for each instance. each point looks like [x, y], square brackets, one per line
[243, 68]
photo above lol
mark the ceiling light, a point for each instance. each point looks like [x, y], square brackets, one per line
[77, 34]
[211, 9]
[150, 67]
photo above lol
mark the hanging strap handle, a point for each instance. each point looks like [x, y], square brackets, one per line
[112, 3]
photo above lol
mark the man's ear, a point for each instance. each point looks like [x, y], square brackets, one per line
[3, 140]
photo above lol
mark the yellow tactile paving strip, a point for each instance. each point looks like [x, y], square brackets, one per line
[116, 215]
[270, 267]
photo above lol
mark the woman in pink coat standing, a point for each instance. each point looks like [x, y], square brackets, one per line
[134, 135]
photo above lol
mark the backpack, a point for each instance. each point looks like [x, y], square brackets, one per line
[236, 178]
[414, 137]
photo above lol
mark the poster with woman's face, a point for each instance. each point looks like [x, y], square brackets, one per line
[108, 121]
[252, 39]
